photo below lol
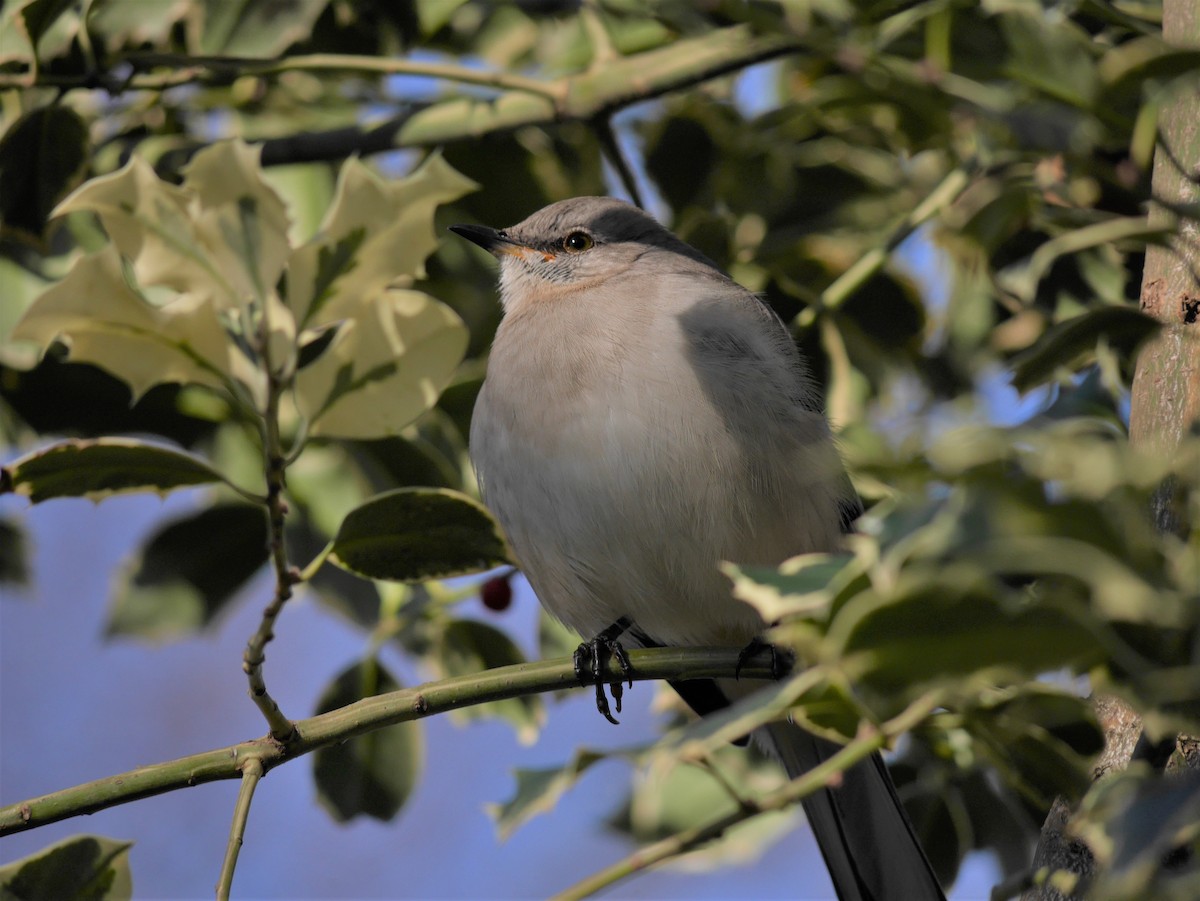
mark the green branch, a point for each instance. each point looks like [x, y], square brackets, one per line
[358, 719]
[252, 773]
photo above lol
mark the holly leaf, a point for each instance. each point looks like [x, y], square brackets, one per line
[99, 467]
[373, 774]
[413, 534]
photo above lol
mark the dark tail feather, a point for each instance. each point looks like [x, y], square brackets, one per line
[865, 836]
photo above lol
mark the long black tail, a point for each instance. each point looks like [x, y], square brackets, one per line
[865, 836]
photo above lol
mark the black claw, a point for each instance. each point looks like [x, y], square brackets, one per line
[590, 659]
[781, 661]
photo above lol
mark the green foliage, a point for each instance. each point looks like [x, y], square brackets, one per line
[278, 319]
[81, 868]
[416, 534]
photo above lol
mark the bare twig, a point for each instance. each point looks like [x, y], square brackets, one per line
[252, 772]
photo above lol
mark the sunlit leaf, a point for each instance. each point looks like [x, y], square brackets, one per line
[387, 363]
[374, 774]
[220, 237]
[413, 534]
[375, 234]
[80, 868]
[100, 467]
[252, 28]
[105, 321]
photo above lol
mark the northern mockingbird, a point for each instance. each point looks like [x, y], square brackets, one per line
[643, 418]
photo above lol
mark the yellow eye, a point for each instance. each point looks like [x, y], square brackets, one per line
[578, 242]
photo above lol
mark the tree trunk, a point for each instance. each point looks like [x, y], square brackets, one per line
[1165, 405]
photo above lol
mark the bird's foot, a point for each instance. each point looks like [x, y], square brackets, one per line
[781, 661]
[591, 659]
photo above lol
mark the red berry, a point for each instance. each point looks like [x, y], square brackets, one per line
[496, 593]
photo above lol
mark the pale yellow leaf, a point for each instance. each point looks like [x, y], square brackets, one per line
[104, 321]
[222, 236]
[391, 357]
[238, 217]
[375, 234]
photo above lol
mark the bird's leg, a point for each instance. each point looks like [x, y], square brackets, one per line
[590, 658]
[781, 661]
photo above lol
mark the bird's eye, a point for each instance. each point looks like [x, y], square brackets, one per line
[578, 242]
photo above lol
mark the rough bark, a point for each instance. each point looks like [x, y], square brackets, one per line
[1165, 405]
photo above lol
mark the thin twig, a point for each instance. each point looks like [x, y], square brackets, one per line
[185, 69]
[360, 718]
[870, 740]
[252, 772]
[948, 190]
[611, 149]
[690, 839]
[285, 575]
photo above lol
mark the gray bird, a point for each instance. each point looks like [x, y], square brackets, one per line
[644, 417]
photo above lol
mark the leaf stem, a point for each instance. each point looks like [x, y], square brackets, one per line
[252, 772]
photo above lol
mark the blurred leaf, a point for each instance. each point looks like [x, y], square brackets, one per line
[466, 647]
[42, 156]
[1041, 739]
[100, 467]
[803, 585]
[538, 791]
[1058, 61]
[940, 630]
[414, 534]
[252, 28]
[188, 571]
[373, 774]
[1132, 821]
[1065, 342]
[80, 868]
[1023, 278]
[14, 566]
[672, 797]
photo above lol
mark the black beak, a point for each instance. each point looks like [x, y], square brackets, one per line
[488, 238]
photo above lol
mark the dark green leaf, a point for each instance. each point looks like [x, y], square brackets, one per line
[81, 868]
[374, 774]
[188, 571]
[14, 569]
[413, 534]
[1132, 821]
[98, 467]
[468, 647]
[1065, 343]
[1041, 738]
[940, 632]
[42, 157]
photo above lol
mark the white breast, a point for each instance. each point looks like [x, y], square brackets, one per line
[622, 477]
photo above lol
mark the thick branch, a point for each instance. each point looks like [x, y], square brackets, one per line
[360, 718]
